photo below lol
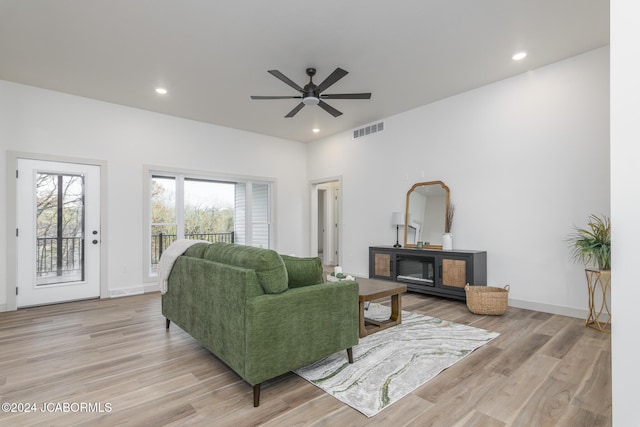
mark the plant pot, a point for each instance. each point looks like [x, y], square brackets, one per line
[447, 242]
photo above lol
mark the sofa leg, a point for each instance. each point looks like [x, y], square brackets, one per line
[256, 395]
[350, 354]
[168, 323]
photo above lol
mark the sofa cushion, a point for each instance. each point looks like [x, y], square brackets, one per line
[267, 263]
[303, 271]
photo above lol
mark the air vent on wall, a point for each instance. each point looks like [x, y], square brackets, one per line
[368, 130]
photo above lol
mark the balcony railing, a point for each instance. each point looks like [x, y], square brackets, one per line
[160, 242]
[57, 256]
[63, 256]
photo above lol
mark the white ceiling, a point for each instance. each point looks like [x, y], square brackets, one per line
[212, 55]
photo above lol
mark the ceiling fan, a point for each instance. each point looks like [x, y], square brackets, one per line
[312, 94]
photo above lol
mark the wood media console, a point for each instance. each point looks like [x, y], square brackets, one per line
[429, 271]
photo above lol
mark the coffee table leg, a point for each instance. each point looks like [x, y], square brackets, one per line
[363, 329]
[396, 309]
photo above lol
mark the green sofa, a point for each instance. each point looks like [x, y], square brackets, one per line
[261, 313]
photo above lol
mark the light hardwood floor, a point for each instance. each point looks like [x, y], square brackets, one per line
[543, 370]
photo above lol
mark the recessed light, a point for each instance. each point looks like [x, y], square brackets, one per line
[518, 56]
[315, 130]
[161, 91]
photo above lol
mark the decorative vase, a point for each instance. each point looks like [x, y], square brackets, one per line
[447, 242]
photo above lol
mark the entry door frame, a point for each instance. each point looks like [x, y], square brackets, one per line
[12, 166]
[313, 216]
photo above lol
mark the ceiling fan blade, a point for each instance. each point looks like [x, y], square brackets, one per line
[347, 96]
[277, 74]
[275, 97]
[333, 77]
[295, 110]
[329, 109]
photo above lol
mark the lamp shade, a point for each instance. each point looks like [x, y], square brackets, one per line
[397, 218]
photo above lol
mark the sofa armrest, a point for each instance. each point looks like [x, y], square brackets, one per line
[298, 327]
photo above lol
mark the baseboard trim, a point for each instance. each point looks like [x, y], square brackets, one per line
[3, 307]
[549, 308]
[151, 288]
[125, 292]
[135, 290]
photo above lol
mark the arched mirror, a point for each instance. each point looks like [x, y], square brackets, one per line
[427, 205]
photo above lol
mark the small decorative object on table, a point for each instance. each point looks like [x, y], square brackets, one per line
[487, 299]
[336, 277]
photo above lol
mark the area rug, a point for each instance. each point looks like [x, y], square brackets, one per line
[390, 364]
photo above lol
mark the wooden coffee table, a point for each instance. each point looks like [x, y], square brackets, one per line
[370, 290]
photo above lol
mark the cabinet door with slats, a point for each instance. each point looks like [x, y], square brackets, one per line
[382, 264]
[454, 272]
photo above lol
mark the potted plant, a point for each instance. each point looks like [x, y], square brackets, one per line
[592, 245]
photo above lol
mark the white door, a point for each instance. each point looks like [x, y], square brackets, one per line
[322, 195]
[336, 222]
[58, 235]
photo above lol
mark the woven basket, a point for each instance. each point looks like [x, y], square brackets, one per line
[487, 299]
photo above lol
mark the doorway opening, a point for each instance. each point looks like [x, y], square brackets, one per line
[325, 221]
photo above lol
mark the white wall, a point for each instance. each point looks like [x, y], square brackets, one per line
[45, 122]
[625, 209]
[525, 159]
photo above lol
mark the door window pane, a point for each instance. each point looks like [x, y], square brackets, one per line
[208, 210]
[163, 216]
[59, 228]
[163, 200]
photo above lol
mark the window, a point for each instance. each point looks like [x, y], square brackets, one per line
[215, 210]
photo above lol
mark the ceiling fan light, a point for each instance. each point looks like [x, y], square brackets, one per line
[311, 100]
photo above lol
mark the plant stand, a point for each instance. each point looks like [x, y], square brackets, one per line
[599, 307]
